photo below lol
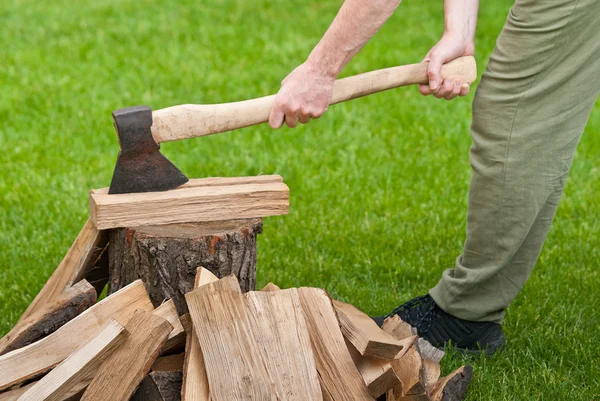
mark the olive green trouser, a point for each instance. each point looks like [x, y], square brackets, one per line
[529, 112]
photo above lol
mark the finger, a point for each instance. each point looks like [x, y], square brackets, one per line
[425, 90]
[433, 72]
[445, 89]
[304, 118]
[276, 117]
[465, 89]
[291, 120]
[456, 87]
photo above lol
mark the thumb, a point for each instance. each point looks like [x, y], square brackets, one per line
[434, 72]
[276, 117]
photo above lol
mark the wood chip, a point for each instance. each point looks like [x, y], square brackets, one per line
[73, 301]
[270, 287]
[191, 203]
[364, 333]
[121, 373]
[25, 363]
[78, 367]
[397, 327]
[340, 379]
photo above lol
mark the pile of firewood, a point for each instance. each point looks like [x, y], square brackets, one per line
[293, 344]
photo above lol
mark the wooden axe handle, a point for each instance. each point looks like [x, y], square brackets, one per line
[192, 120]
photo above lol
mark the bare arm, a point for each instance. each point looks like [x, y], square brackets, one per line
[306, 92]
[460, 20]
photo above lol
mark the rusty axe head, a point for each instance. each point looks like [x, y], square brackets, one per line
[140, 165]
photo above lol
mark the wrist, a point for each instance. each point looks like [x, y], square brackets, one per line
[465, 40]
[322, 66]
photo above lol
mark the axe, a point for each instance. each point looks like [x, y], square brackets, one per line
[142, 168]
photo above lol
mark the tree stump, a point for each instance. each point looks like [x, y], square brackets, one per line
[166, 257]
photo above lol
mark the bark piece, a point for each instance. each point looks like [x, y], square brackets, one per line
[80, 365]
[195, 381]
[73, 301]
[26, 363]
[166, 257]
[364, 334]
[73, 268]
[121, 373]
[378, 374]
[254, 346]
[171, 363]
[340, 379]
[454, 386]
[193, 202]
[160, 386]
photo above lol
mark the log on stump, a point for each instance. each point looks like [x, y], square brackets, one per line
[166, 257]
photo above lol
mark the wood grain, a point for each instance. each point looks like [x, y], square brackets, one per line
[454, 386]
[340, 379]
[39, 357]
[378, 374]
[70, 303]
[169, 363]
[192, 120]
[364, 333]
[13, 395]
[397, 328]
[271, 287]
[410, 370]
[195, 381]
[189, 204]
[78, 367]
[121, 373]
[79, 259]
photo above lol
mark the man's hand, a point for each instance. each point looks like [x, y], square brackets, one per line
[304, 94]
[450, 47]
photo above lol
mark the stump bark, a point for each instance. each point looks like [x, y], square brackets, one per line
[166, 257]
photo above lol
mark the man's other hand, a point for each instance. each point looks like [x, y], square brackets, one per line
[450, 47]
[304, 94]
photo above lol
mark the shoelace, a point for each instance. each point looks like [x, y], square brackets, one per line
[424, 319]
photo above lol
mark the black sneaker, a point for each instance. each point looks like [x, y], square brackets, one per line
[440, 328]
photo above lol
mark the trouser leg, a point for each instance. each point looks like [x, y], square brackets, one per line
[529, 112]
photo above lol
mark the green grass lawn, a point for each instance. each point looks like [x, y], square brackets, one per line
[378, 185]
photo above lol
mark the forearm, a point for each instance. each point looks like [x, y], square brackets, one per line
[356, 23]
[460, 18]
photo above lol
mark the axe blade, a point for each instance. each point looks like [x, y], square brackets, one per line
[140, 165]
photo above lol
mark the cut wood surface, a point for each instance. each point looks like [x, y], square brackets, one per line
[195, 381]
[222, 327]
[454, 386]
[170, 363]
[168, 312]
[121, 373]
[73, 268]
[160, 386]
[409, 369]
[189, 204]
[80, 365]
[271, 287]
[364, 333]
[255, 346]
[432, 372]
[340, 379]
[176, 342]
[397, 327]
[165, 257]
[277, 319]
[378, 374]
[25, 363]
[70, 303]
